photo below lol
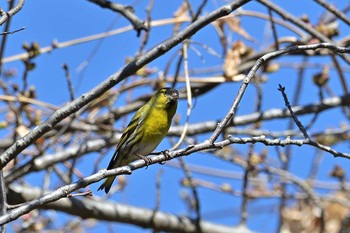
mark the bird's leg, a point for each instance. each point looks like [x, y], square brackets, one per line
[147, 160]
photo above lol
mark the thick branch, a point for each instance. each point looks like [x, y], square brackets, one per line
[117, 212]
[114, 79]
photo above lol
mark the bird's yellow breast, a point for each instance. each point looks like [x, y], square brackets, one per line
[157, 124]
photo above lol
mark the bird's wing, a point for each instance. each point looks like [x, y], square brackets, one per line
[135, 122]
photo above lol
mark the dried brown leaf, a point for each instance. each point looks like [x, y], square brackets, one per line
[233, 59]
[234, 24]
[320, 79]
[304, 217]
[180, 14]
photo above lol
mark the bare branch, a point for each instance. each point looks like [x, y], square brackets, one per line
[258, 64]
[126, 11]
[5, 15]
[114, 79]
[112, 211]
[334, 10]
[301, 24]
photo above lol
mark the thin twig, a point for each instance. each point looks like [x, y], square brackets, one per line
[283, 23]
[126, 11]
[335, 11]
[288, 151]
[316, 114]
[146, 35]
[291, 18]
[157, 196]
[69, 81]
[199, 10]
[249, 166]
[296, 120]
[340, 74]
[273, 27]
[12, 32]
[194, 193]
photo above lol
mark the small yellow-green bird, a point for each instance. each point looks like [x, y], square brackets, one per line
[145, 131]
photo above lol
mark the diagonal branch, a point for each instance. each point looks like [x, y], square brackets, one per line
[64, 191]
[114, 79]
[262, 60]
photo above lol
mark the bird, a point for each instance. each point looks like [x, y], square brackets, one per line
[145, 131]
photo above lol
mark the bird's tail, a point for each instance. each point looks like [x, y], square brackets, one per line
[107, 184]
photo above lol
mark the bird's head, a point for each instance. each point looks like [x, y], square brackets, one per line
[166, 97]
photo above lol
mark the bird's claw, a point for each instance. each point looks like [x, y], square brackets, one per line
[166, 155]
[147, 160]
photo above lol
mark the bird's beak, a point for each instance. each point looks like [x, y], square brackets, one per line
[175, 95]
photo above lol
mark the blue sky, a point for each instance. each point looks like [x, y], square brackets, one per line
[63, 20]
